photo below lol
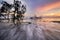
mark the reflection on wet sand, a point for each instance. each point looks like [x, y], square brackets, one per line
[37, 30]
[51, 30]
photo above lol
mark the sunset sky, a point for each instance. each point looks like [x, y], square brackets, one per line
[50, 6]
[44, 6]
[41, 6]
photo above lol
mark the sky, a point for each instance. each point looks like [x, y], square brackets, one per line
[41, 5]
[44, 6]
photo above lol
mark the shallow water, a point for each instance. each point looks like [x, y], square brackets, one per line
[35, 31]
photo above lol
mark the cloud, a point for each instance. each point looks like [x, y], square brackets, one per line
[49, 7]
[9, 1]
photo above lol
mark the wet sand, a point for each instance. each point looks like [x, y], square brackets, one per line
[33, 31]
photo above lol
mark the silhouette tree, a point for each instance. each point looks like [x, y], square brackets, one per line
[5, 9]
[20, 10]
